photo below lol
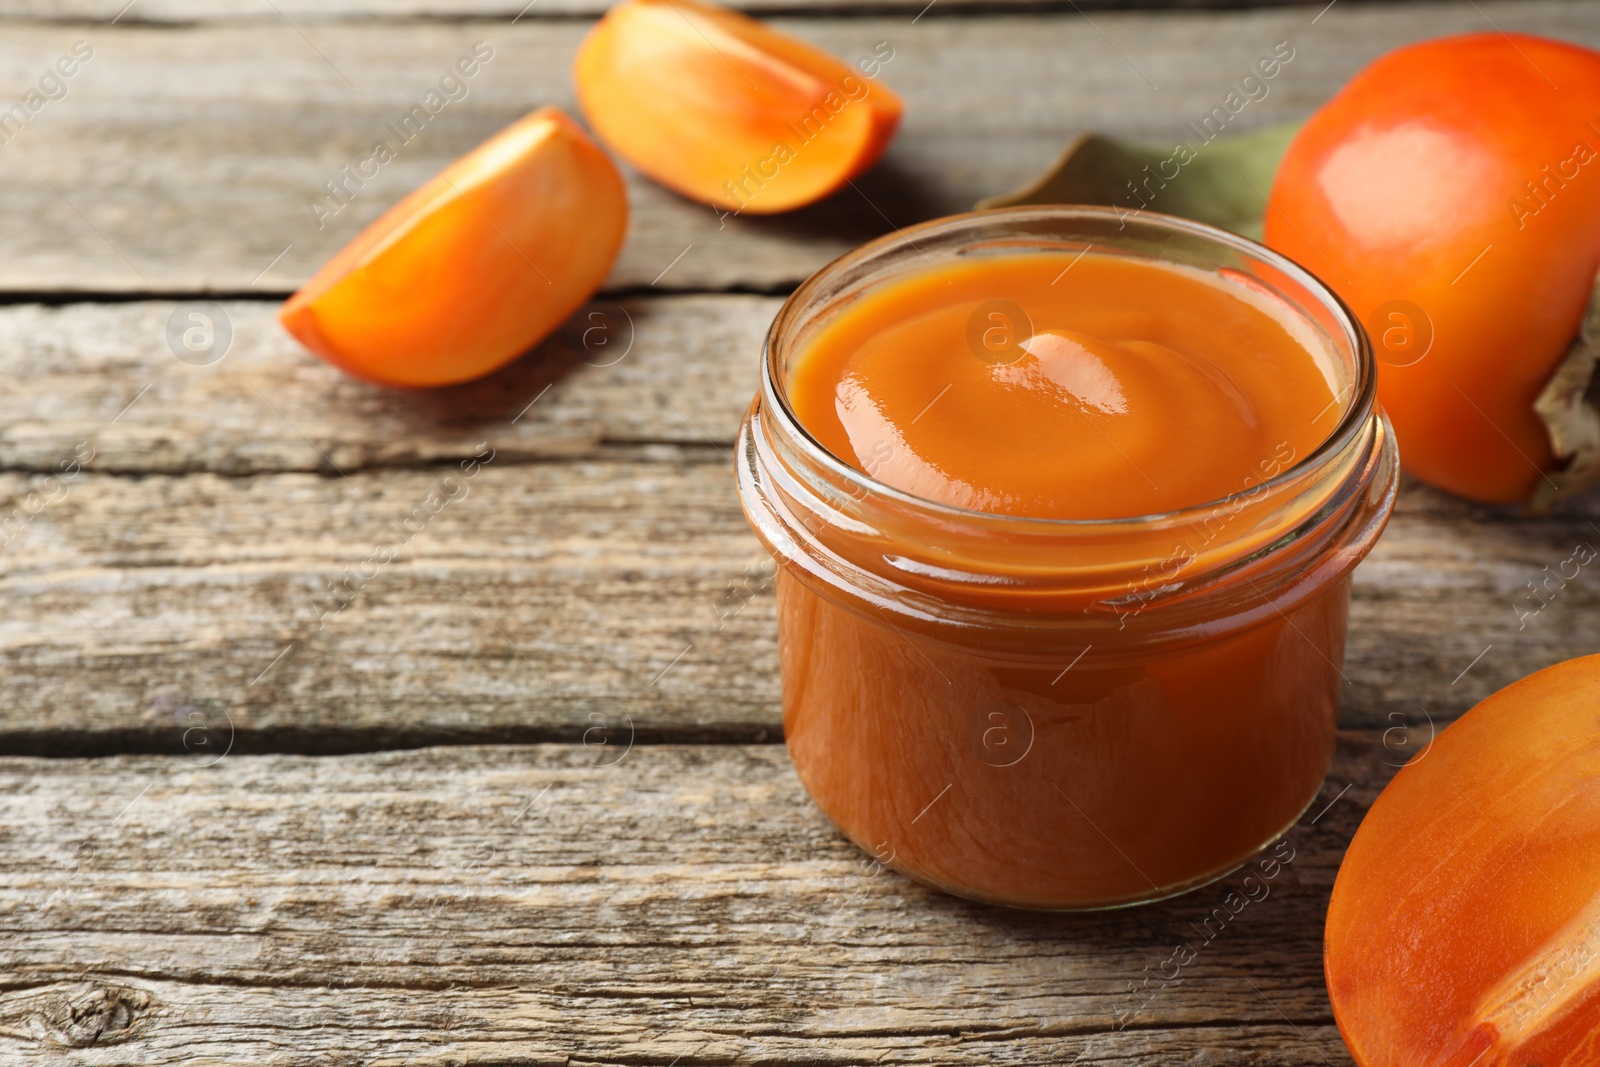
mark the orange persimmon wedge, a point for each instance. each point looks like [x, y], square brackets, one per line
[1464, 929]
[474, 267]
[717, 107]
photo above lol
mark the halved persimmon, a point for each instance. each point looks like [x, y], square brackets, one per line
[475, 266]
[1464, 929]
[717, 107]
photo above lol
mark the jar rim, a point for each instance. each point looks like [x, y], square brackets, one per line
[1352, 422]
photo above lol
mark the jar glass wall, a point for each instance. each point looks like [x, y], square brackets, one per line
[1065, 713]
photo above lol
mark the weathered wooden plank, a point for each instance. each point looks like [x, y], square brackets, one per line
[600, 573]
[225, 133]
[310, 12]
[1457, 601]
[543, 599]
[102, 376]
[535, 905]
[521, 602]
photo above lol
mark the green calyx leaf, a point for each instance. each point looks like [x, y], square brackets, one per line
[1223, 181]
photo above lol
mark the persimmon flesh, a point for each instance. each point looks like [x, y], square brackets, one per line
[475, 266]
[1450, 193]
[718, 107]
[1464, 929]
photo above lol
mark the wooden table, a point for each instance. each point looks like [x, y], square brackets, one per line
[523, 799]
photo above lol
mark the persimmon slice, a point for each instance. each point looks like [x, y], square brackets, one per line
[1464, 929]
[475, 266]
[717, 107]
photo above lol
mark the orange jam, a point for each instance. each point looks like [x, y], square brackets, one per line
[1066, 508]
[1115, 387]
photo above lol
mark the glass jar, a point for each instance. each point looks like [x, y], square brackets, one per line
[1065, 713]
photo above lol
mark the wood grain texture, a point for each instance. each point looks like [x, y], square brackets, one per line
[678, 370]
[625, 897]
[539, 906]
[311, 12]
[535, 598]
[155, 590]
[148, 613]
[224, 133]
[552, 591]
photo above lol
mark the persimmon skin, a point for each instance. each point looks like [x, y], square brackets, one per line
[1405, 187]
[1464, 926]
[721, 109]
[474, 267]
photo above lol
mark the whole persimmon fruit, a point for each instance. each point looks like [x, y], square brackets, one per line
[1464, 928]
[1450, 193]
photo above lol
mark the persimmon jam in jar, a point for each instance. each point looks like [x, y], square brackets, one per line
[1065, 505]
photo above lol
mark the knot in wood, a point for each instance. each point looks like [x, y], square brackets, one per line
[96, 1014]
